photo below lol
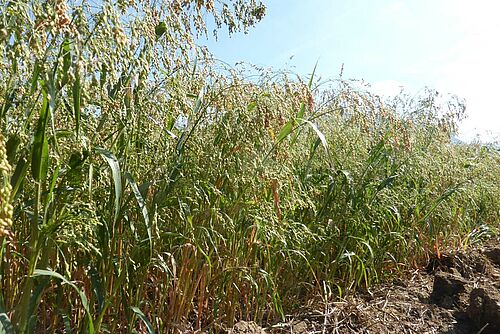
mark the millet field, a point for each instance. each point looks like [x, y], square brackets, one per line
[148, 188]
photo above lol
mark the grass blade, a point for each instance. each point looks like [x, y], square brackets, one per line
[144, 319]
[320, 135]
[302, 109]
[309, 85]
[286, 130]
[19, 176]
[34, 80]
[117, 179]
[66, 54]
[40, 151]
[83, 298]
[142, 206]
[77, 101]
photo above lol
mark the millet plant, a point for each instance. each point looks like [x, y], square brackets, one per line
[147, 188]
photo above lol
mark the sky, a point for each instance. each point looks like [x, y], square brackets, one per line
[452, 46]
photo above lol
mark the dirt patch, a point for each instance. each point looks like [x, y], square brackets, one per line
[459, 293]
[247, 327]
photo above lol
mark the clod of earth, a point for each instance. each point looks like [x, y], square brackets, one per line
[484, 309]
[247, 327]
[447, 288]
[493, 255]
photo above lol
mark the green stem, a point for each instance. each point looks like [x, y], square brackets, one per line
[21, 315]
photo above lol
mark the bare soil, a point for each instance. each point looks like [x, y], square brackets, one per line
[459, 293]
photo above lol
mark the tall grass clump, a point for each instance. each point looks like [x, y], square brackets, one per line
[142, 191]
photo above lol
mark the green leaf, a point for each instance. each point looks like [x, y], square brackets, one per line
[83, 298]
[312, 76]
[142, 206]
[19, 175]
[40, 151]
[387, 182]
[5, 325]
[195, 65]
[300, 115]
[251, 106]
[433, 206]
[66, 53]
[103, 75]
[199, 101]
[285, 131]
[160, 29]
[97, 287]
[34, 80]
[144, 319]
[302, 109]
[11, 146]
[8, 98]
[117, 178]
[122, 82]
[67, 322]
[33, 304]
[320, 135]
[77, 102]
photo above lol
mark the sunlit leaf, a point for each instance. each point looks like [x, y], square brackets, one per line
[117, 177]
[40, 151]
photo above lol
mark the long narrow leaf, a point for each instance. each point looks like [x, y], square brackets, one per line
[144, 319]
[309, 85]
[117, 177]
[312, 76]
[18, 176]
[286, 130]
[77, 102]
[40, 151]
[302, 109]
[199, 101]
[142, 206]
[66, 54]
[83, 298]
[34, 80]
[320, 134]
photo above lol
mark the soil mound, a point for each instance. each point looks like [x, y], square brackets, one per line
[459, 293]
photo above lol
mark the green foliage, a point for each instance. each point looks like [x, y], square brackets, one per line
[168, 195]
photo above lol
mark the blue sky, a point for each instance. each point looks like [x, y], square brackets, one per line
[450, 45]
